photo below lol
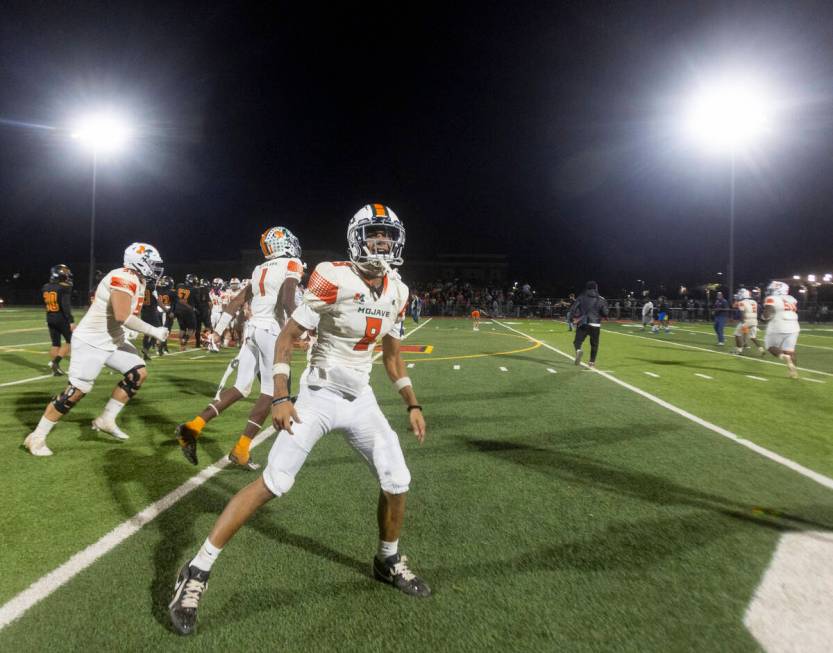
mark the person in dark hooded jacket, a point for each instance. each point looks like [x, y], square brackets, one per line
[587, 314]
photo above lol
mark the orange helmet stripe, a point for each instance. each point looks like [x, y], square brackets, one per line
[263, 243]
[379, 211]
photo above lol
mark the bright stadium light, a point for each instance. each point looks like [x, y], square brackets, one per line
[103, 132]
[729, 114]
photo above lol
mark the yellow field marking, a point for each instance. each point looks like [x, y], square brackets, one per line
[535, 345]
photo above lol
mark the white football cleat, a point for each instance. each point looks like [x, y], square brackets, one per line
[790, 365]
[109, 426]
[37, 445]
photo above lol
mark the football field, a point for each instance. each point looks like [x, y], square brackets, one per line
[677, 498]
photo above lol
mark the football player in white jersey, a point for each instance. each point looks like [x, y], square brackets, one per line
[352, 304]
[99, 340]
[781, 315]
[747, 328]
[272, 298]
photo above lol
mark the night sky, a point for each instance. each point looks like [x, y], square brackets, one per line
[548, 132]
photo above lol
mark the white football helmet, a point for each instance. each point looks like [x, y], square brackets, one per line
[218, 284]
[744, 293]
[369, 218]
[234, 283]
[144, 259]
[777, 288]
[279, 241]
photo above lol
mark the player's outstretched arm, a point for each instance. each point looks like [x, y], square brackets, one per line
[283, 410]
[395, 367]
[120, 302]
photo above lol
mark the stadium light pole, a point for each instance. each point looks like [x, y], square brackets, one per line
[727, 116]
[103, 133]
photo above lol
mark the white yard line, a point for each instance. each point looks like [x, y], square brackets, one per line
[821, 479]
[26, 344]
[804, 378]
[503, 369]
[703, 376]
[551, 371]
[32, 378]
[656, 376]
[44, 586]
[198, 357]
[756, 378]
[791, 608]
[455, 367]
[712, 351]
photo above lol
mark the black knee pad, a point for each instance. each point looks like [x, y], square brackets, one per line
[62, 402]
[132, 381]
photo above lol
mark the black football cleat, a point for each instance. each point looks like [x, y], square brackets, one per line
[250, 464]
[394, 570]
[189, 588]
[187, 443]
[56, 370]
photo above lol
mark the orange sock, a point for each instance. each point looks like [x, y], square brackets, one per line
[241, 449]
[197, 424]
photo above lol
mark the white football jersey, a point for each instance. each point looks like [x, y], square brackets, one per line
[349, 316]
[647, 309]
[748, 311]
[99, 327]
[267, 279]
[785, 317]
[217, 299]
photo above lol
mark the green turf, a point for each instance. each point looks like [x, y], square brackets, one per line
[548, 511]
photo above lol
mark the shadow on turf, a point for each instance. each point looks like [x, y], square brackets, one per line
[645, 487]
[177, 537]
[17, 359]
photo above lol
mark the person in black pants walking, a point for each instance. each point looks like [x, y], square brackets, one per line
[587, 314]
[56, 299]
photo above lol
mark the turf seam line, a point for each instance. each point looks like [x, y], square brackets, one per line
[819, 478]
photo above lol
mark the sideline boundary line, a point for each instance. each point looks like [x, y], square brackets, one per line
[19, 604]
[821, 479]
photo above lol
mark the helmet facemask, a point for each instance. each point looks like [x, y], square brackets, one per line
[376, 246]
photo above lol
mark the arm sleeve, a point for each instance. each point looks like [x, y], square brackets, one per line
[306, 317]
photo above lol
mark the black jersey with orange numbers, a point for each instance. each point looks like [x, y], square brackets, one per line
[57, 300]
[186, 294]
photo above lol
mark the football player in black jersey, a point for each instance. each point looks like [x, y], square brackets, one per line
[151, 315]
[168, 299]
[186, 309]
[57, 301]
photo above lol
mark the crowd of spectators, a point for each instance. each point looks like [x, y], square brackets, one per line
[458, 298]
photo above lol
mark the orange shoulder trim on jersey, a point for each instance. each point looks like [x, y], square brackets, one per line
[770, 301]
[294, 266]
[325, 290]
[117, 282]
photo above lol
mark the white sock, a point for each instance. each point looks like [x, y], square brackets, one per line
[387, 549]
[44, 427]
[206, 556]
[112, 409]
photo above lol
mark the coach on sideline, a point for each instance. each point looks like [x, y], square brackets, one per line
[587, 314]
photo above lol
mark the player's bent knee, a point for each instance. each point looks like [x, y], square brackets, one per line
[396, 481]
[65, 401]
[133, 379]
[278, 481]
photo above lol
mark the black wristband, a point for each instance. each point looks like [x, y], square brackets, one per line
[410, 408]
[280, 400]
